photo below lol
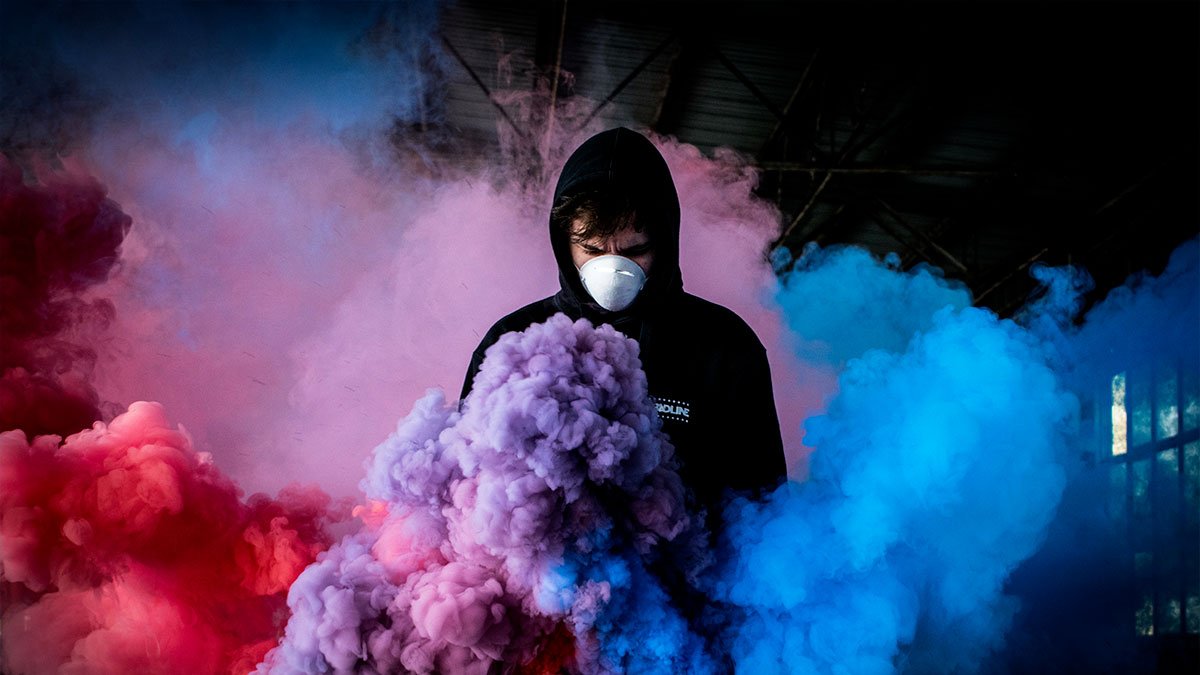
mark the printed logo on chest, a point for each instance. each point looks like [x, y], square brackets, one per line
[672, 409]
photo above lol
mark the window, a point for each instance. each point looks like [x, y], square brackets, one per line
[1153, 457]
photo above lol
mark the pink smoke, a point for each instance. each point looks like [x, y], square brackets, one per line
[725, 235]
[216, 309]
[289, 355]
[289, 315]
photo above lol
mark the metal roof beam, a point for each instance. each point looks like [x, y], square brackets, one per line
[552, 32]
[628, 78]
[801, 167]
[916, 232]
[787, 109]
[682, 74]
[522, 133]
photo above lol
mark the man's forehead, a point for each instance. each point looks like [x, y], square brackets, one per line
[627, 234]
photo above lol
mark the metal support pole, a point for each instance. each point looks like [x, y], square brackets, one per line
[787, 109]
[629, 78]
[1125, 193]
[741, 77]
[817, 193]
[803, 212]
[922, 236]
[880, 130]
[1095, 244]
[800, 167]
[903, 242]
[1020, 268]
[548, 136]
[484, 88]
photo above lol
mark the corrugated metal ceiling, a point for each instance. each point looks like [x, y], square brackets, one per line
[971, 137]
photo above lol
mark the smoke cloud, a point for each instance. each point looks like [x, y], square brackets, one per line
[536, 509]
[59, 236]
[244, 229]
[865, 305]
[124, 550]
[268, 205]
[298, 271]
[961, 495]
[935, 472]
[1121, 557]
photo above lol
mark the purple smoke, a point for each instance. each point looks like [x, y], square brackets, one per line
[541, 504]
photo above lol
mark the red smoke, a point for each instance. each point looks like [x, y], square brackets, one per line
[58, 237]
[121, 549]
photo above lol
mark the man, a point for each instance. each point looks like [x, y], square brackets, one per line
[614, 229]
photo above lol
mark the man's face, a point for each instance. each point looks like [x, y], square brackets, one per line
[626, 242]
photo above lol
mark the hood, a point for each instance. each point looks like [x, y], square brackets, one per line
[623, 160]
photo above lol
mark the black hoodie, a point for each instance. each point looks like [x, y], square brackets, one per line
[706, 369]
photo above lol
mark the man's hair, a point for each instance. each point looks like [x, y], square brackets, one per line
[601, 213]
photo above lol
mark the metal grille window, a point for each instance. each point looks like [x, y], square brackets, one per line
[1154, 473]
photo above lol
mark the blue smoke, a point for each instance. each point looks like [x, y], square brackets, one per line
[935, 473]
[1120, 562]
[187, 66]
[948, 507]
[841, 302]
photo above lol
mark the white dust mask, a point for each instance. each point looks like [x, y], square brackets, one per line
[612, 280]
